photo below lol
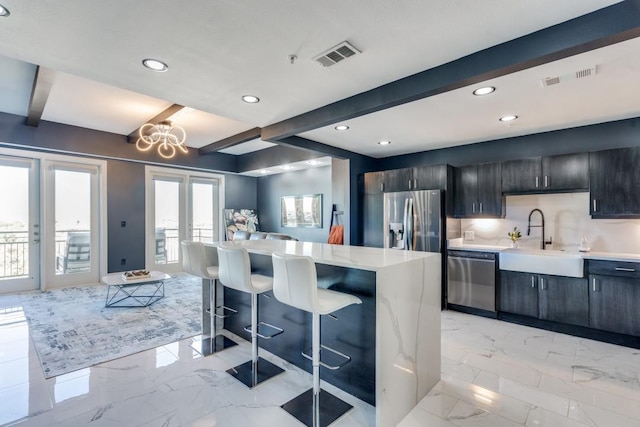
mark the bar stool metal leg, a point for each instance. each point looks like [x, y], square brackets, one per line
[257, 370]
[316, 368]
[215, 342]
[316, 407]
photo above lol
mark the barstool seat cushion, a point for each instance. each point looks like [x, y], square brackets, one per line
[330, 301]
[195, 262]
[261, 283]
[235, 271]
[296, 284]
[212, 271]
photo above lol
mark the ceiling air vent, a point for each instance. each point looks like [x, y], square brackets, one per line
[336, 54]
[580, 74]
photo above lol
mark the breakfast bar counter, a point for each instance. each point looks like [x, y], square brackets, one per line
[393, 337]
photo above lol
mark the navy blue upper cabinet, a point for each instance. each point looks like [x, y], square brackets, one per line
[563, 173]
[418, 178]
[478, 192]
[615, 183]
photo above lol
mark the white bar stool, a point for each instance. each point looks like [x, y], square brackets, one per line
[295, 283]
[194, 262]
[235, 273]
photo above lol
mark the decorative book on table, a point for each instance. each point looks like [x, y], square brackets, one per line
[136, 274]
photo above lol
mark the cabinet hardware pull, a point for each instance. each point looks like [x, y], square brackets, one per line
[533, 281]
[480, 207]
[382, 186]
[630, 270]
[473, 208]
[595, 206]
[409, 184]
[596, 288]
[542, 284]
[415, 183]
[537, 182]
[546, 181]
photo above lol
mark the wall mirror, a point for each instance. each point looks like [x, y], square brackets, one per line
[301, 211]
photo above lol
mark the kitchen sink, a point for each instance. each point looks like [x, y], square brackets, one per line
[557, 263]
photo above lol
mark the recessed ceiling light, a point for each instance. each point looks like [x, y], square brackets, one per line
[286, 167]
[342, 127]
[508, 118]
[313, 162]
[155, 65]
[4, 11]
[250, 99]
[384, 142]
[263, 171]
[485, 90]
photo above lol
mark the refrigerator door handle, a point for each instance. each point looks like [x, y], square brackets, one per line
[410, 225]
[405, 223]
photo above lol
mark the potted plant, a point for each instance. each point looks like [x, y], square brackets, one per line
[514, 236]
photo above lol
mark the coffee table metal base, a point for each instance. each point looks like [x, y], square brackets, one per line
[135, 294]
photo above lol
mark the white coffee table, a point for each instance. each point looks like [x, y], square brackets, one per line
[134, 293]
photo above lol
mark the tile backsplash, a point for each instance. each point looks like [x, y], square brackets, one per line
[567, 219]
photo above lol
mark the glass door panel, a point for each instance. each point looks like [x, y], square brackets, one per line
[72, 222]
[203, 226]
[166, 221]
[19, 225]
[72, 219]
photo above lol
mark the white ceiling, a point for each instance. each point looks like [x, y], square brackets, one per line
[219, 51]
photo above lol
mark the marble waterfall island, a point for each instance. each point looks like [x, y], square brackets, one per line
[393, 338]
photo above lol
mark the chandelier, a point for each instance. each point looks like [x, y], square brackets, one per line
[168, 137]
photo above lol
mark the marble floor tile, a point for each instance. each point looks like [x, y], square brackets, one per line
[493, 374]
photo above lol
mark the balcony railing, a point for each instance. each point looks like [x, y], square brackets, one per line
[14, 253]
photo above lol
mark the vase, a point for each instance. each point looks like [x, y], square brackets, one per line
[514, 244]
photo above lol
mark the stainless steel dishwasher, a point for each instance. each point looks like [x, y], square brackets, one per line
[472, 279]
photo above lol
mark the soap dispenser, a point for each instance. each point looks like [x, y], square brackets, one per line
[584, 244]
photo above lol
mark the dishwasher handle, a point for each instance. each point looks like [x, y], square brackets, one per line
[474, 259]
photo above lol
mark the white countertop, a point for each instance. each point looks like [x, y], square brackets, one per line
[361, 257]
[608, 256]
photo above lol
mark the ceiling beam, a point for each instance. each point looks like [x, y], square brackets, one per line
[42, 84]
[234, 140]
[601, 28]
[164, 115]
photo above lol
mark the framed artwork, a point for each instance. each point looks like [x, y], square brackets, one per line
[301, 211]
[240, 219]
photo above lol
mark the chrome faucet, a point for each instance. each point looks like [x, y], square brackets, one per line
[543, 243]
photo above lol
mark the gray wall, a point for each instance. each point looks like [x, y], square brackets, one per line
[310, 181]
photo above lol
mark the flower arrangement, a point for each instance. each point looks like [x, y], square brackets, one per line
[514, 235]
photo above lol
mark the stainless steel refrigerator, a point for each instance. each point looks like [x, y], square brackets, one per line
[413, 220]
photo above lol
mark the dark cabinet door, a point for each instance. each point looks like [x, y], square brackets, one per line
[521, 176]
[564, 299]
[373, 182]
[490, 199]
[518, 293]
[465, 198]
[397, 179]
[613, 304]
[614, 178]
[430, 178]
[478, 191]
[565, 172]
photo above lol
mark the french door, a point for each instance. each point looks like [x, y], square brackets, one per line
[72, 223]
[52, 224]
[180, 205]
[19, 224]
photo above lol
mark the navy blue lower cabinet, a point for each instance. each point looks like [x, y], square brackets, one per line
[351, 331]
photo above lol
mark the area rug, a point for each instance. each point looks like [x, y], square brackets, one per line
[72, 329]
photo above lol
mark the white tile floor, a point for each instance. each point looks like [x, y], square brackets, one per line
[493, 374]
